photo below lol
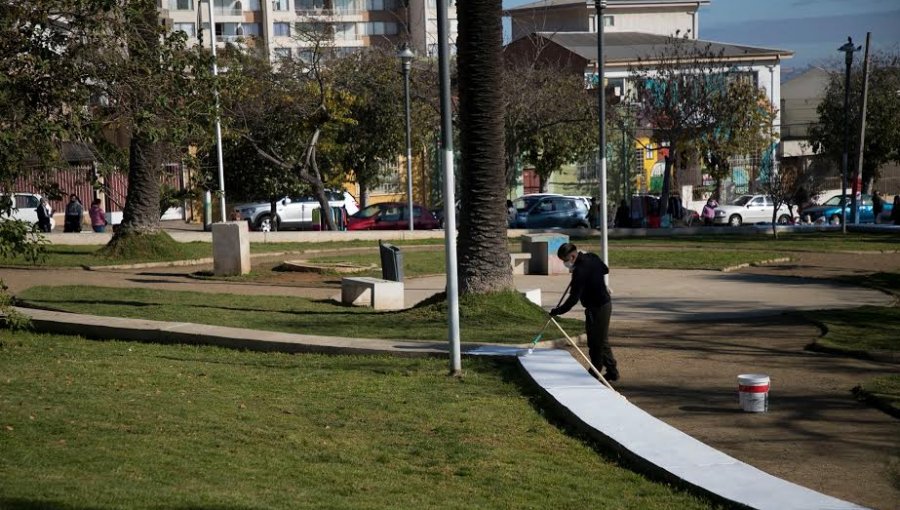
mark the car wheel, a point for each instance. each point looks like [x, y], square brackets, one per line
[735, 220]
[264, 223]
[835, 219]
[784, 219]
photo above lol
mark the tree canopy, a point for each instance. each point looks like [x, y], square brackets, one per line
[882, 140]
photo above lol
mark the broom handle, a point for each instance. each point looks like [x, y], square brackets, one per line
[602, 379]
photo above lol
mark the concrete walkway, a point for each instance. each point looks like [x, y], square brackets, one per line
[638, 294]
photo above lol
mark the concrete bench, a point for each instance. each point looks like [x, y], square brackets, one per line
[375, 292]
[533, 295]
[519, 262]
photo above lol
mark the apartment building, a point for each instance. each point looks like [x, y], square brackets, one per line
[290, 28]
[564, 32]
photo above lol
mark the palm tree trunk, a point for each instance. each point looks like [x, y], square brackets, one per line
[482, 250]
[141, 214]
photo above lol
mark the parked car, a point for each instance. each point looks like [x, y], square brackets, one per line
[392, 216]
[23, 208]
[831, 210]
[294, 212]
[551, 211]
[751, 209]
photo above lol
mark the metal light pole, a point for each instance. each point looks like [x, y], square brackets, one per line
[406, 57]
[215, 70]
[599, 6]
[449, 188]
[848, 50]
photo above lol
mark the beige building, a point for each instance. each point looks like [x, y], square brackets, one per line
[290, 28]
[660, 17]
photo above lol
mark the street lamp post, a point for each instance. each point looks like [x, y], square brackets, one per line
[406, 57]
[215, 71]
[848, 50]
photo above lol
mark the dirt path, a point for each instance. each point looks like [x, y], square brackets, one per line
[815, 433]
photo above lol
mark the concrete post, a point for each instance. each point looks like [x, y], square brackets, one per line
[231, 248]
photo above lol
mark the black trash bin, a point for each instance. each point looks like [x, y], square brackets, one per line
[391, 262]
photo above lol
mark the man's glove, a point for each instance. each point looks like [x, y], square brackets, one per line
[555, 312]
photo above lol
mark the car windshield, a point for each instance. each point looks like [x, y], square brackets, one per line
[523, 204]
[368, 212]
[835, 200]
[743, 200]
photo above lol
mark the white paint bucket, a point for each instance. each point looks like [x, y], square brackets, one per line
[753, 392]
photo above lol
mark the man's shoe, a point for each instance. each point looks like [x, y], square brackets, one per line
[612, 375]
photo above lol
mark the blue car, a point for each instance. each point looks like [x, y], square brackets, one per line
[551, 211]
[831, 210]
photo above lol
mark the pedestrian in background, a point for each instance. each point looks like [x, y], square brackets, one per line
[44, 213]
[98, 216]
[709, 212]
[74, 215]
[895, 212]
[877, 206]
[589, 286]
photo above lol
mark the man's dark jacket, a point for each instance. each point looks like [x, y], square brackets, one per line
[588, 284]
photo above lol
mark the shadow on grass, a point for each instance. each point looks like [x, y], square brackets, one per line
[35, 504]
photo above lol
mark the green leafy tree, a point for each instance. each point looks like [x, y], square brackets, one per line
[156, 93]
[550, 118]
[482, 250]
[678, 88]
[742, 118]
[288, 113]
[882, 140]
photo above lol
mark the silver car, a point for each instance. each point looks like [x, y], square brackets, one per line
[751, 209]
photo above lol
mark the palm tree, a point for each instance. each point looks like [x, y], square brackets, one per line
[482, 250]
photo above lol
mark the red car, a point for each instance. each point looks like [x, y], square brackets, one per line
[392, 216]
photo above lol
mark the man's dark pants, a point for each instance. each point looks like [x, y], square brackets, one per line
[597, 329]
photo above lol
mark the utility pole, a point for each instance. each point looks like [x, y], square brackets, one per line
[449, 189]
[599, 6]
[848, 50]
[857, 181]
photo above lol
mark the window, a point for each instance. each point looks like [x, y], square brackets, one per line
[381, 28]
[283, 53]
[187, 28]
[279, 5]
[252, 5]
[345, 31]
[648, 153]
[308, 5]
[609, 21]
[26, 202]
[375, 5]
[181, 5]
[281, 29]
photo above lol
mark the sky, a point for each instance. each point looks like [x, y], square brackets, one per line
[812, 29]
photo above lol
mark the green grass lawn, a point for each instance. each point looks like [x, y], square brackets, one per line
[867, 328]
[105, 425]
[730, 245]
[883, 392]
[418, 263]
[499, 318]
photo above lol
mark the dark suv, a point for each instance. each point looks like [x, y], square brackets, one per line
[551, 211]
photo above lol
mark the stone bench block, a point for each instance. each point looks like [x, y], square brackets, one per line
[231, 248]
[543, 248]
[375, 292]
[519, 262]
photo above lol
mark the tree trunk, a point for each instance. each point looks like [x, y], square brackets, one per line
[273, 214]
[141, 214]
[363, 194]
[483, 253]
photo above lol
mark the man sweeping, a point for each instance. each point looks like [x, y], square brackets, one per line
[589, 286]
